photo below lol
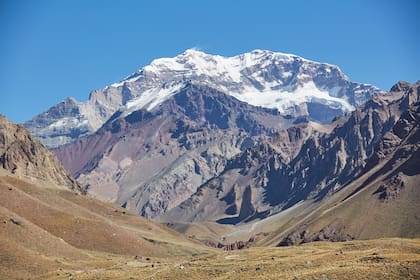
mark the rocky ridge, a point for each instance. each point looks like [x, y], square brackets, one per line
[22, 154]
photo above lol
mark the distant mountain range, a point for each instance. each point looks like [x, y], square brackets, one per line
[269, 143]
[295, 86]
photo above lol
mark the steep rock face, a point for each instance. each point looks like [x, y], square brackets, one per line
[150, 161]
[393, 138]
[321, 164]
[383, 202]
[22, 154]
[288, 83]
[240, 192]
[70, 119]
[59, 124]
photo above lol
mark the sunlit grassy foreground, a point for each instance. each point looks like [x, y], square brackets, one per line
[376, 259]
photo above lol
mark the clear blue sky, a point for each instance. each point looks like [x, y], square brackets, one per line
[50, 50]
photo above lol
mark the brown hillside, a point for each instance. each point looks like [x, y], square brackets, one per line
[45, 228]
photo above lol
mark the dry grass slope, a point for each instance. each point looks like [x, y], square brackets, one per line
[44, 228]
[52, 233]
[376, 259]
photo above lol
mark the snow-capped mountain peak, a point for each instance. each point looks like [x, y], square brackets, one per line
[292, 84]
[260, 77]
[195, 62]
[262, 69]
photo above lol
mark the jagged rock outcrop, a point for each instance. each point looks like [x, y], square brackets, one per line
[383, 201]
[22, 154]
[328, 233]
[238, 193]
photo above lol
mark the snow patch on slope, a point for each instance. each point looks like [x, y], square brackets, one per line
[285, 101]
[68, 121]
[151, 98]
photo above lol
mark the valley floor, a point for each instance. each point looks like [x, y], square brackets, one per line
[374, 259]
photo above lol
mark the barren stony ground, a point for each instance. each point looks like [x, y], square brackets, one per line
[375, 259]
